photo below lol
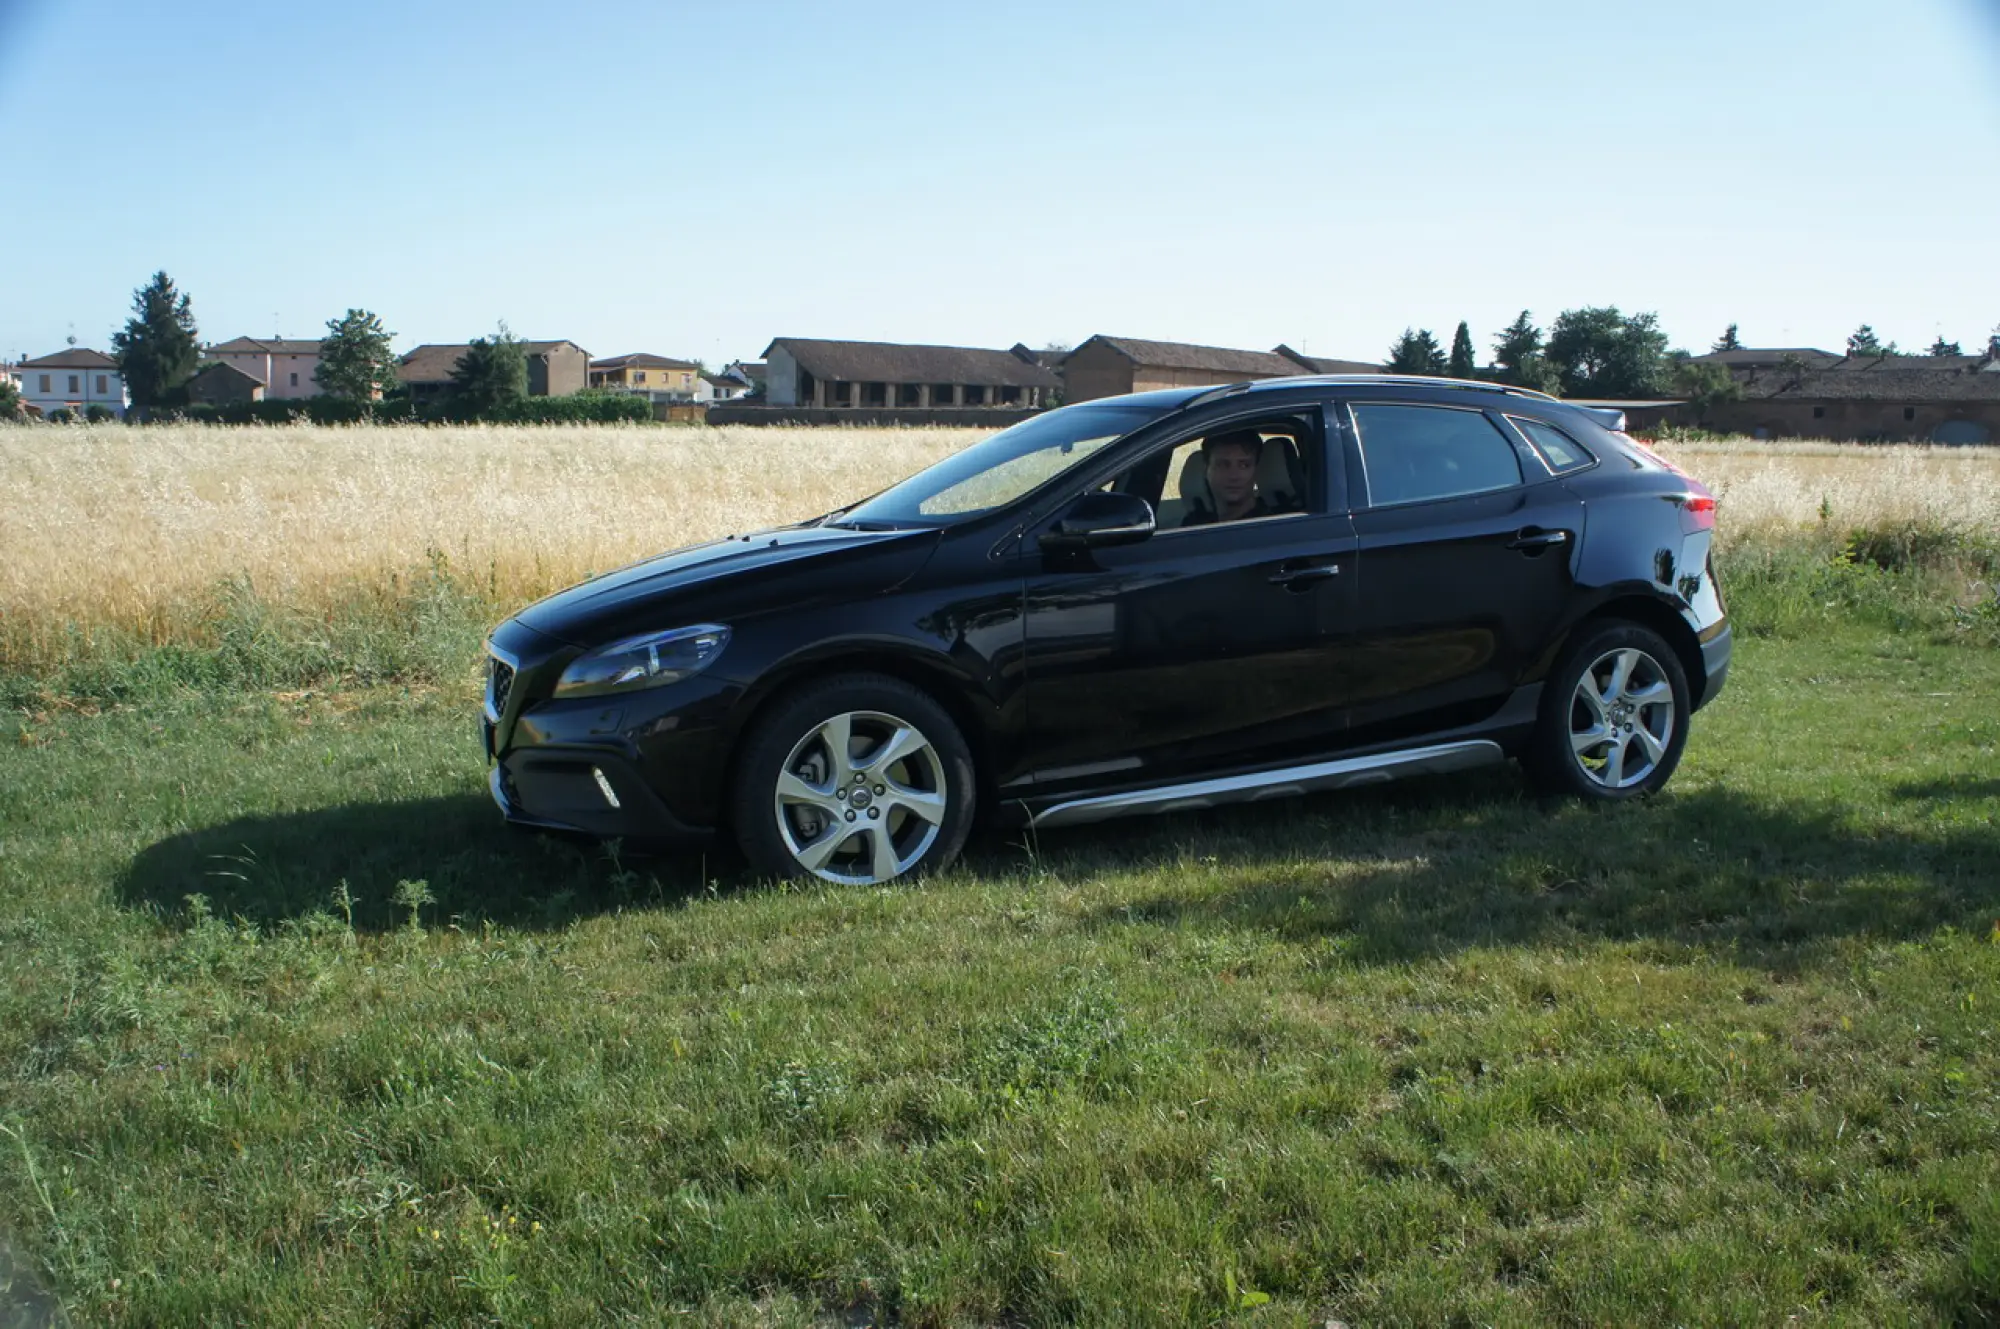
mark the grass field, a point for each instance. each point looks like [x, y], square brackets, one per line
[291, 1031]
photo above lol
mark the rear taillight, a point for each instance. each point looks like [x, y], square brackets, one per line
[1697, 509]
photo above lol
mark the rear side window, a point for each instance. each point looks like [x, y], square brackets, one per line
[1558, 449]
[1414, 453]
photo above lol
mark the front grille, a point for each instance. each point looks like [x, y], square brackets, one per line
[499, 682]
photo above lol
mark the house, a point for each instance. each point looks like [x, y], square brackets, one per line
[77, 378]
[750, 373]
[656, 377]
[1746, 362]
[1319, 364]
[1111, 366]
[555, 368]
[221, 382]
[719, 387]
[804, 371]
[1939, 399]
[285, 366]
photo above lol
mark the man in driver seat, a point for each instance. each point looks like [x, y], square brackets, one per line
[1231, 460]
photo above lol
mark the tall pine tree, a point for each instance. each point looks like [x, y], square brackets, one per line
[1863, 341]
[1416, 352]
[1727, 341]
[158, 350]
[1518, 343]
[1463, 364]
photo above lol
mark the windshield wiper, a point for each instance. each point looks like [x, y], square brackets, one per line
[867, 524]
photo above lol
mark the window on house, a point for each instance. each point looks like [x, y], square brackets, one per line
[1009, 396]
[875, 394]
[941, 394]
[909, 394]
[295, 380]
[45, 384]
[1909, 412]
[103, 385]
[72, 385]
[1819, 412]
[975, 394]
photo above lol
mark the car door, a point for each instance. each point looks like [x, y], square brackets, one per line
[1196, 650]
[1465, 560]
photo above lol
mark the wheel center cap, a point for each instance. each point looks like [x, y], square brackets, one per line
[861, 798]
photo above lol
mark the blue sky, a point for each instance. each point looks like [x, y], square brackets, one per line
[693, 180]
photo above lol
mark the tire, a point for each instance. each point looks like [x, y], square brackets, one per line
[905, 815]
[1587, 739]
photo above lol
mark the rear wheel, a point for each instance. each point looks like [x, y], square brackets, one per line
[1614, 718]
[857, 780]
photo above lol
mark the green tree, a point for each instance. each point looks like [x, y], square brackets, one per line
[1598, 352]
[1727, 341]
[1703, 385]
[1416, 352]
[1943, 347]
[10, 402]
[1518, 343]
[1463, 363]
[158, 350]
[355, 362]
[491, 378]
[1862, 341]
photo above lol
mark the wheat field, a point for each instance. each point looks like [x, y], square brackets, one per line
[109, 528]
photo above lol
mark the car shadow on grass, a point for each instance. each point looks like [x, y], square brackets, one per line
[269, 868]
[1434, 867]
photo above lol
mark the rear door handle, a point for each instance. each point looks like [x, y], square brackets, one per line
[1302, 574]
[1534, 540]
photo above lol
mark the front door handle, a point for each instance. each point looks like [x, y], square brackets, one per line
[1533, 540]
[1303, 574]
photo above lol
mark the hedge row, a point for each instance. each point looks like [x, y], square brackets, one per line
[583, 408]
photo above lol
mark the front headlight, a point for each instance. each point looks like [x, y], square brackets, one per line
[643, 662]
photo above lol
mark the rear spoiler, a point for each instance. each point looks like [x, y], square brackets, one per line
[1613, 420]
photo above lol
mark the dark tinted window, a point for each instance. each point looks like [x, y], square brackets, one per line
[1413, 453]
[1558, 449]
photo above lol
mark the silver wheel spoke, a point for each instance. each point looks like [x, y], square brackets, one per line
[1586, 691]
[838, 734]
[917, 802]
[1655, 749]
[884, 863]
[1656, 691]
[812, 857]
[1585, 740]
[1621, 674]
[793, 788]
[905, 742]
[1614, 762]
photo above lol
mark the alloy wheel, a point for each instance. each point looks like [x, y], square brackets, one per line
[1621, 718]
[861, 798]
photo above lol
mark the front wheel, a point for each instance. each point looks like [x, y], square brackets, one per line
[1614, 719]
[857, 780]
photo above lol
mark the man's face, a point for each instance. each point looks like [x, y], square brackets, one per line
[1232, 474]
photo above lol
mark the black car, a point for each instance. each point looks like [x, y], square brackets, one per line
[1168, 600]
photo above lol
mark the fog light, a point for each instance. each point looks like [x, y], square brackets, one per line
[610, 794]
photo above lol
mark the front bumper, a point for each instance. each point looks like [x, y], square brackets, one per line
[584, 791]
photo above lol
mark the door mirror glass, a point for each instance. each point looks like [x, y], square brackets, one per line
[1098, 519]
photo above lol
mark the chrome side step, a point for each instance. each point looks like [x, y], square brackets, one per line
[1315, 778]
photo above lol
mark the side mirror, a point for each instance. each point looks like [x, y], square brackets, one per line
[1098, 519]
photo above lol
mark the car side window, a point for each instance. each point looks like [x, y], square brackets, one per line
[1412, 454]
[1241, 471]
[1558, 449]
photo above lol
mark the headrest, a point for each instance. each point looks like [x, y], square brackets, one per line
[1193, 482]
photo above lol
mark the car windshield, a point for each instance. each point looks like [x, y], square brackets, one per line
[996, 471]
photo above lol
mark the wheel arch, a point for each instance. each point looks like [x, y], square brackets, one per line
[934, 676]
[1651, 612]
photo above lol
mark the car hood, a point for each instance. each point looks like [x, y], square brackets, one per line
[731, 579]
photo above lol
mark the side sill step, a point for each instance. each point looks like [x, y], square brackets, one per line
[1259, 785]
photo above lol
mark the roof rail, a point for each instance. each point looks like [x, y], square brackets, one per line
[1364, 380]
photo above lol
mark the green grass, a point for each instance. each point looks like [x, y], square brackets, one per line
[292, 1031]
